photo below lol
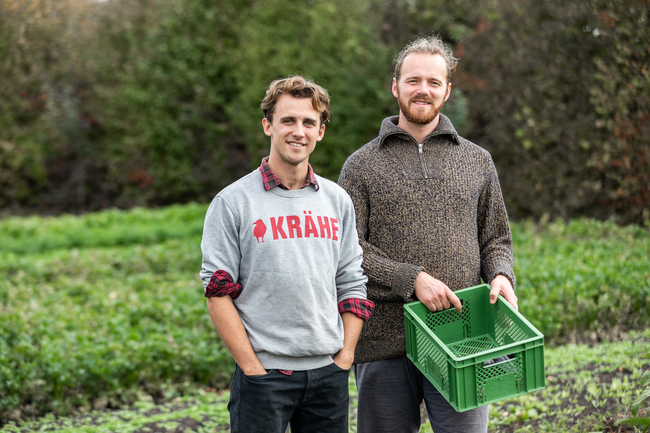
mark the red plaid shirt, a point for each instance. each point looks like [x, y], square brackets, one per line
[271, 180]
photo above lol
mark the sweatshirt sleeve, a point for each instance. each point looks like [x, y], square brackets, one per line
[220, 246]
[396, 280]
[350, 280]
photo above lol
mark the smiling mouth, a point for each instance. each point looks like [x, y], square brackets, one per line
[294, 144]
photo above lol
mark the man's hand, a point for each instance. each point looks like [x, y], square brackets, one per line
[344, 359]
[435, 294]
[501, 286]
[254, 370]
[351, 330]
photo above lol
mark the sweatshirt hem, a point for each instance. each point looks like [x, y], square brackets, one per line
[271, 361]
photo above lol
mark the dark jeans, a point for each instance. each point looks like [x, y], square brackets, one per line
[311, 401]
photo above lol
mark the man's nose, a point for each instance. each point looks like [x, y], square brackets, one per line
[298, 129]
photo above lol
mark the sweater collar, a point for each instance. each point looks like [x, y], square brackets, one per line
[445, 127]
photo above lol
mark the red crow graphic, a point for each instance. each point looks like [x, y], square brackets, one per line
[259, 230]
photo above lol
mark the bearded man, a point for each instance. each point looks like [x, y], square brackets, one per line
[431, 220]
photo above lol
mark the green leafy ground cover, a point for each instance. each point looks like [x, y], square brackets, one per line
[588, 389]
[104, 311]
[583, 279]
[36, 235]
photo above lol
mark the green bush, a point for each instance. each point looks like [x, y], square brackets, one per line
[34, 234]
[582, 278]
[97, 309]
[90, 323]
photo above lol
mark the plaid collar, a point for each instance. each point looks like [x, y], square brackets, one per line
[271, 180]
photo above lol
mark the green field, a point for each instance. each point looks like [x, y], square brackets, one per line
[102, 321]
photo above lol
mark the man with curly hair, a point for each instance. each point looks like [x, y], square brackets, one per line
[431, 220]
[282, 276]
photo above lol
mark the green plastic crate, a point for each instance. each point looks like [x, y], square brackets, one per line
[456, 351]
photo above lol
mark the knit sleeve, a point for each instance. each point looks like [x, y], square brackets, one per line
[392, 279]
[495, 238]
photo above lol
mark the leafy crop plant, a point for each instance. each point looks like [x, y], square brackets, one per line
[637, 404]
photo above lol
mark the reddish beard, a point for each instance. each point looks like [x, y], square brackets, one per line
[419, 116]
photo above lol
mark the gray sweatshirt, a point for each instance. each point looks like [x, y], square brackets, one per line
[296, 255]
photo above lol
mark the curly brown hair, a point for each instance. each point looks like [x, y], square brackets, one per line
[427, 45]
[298, 87]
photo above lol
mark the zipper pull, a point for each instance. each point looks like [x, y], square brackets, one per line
[424, 167]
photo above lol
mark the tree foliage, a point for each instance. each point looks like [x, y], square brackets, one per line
[161, 104]
[558, 93]
[30, 88]
[142, 102]
[620, 96]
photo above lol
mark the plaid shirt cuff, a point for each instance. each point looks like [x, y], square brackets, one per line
[362, 308]
[221, 284]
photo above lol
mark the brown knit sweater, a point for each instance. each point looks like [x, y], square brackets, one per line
[451, 223]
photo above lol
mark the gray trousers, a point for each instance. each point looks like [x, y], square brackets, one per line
[390, 393]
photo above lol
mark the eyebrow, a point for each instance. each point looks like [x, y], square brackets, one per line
[307, 119]
[418, 77]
